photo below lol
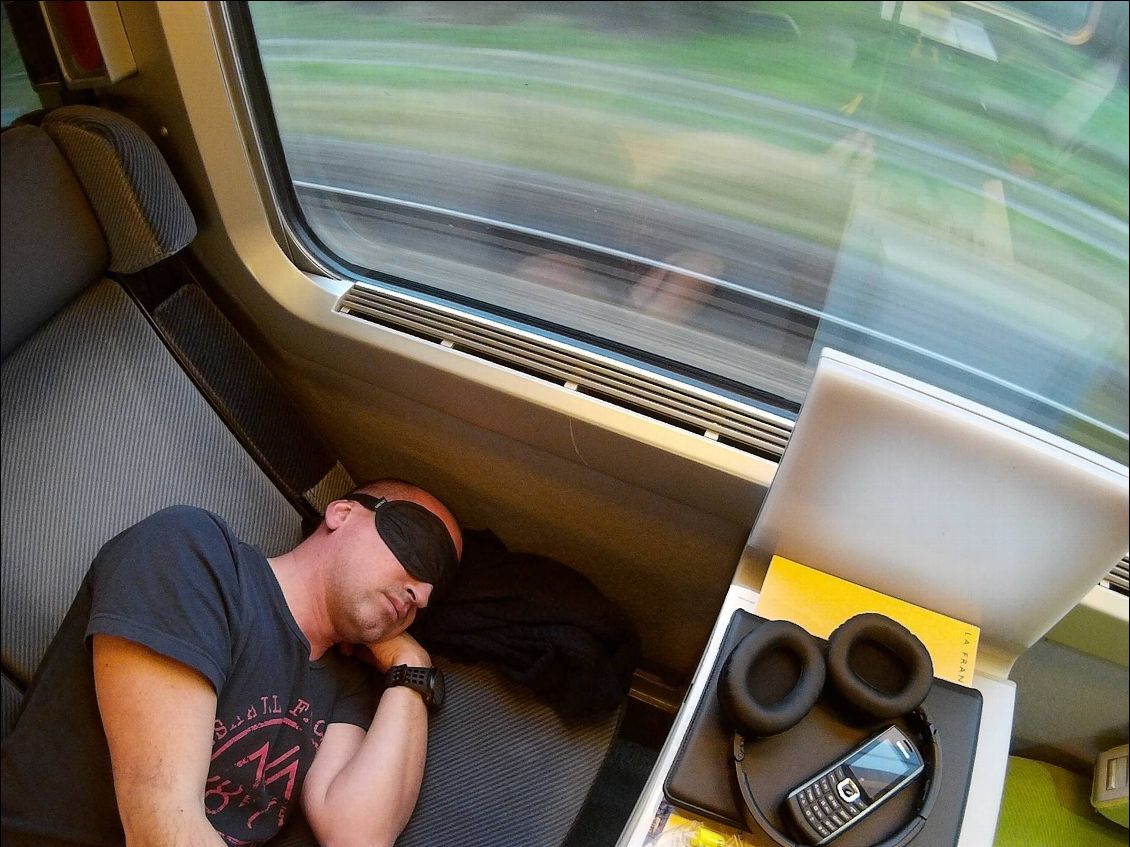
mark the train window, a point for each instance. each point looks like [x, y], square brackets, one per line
[17, 97]
[719, 190]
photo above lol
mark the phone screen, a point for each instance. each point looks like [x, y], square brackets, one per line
[881, 765]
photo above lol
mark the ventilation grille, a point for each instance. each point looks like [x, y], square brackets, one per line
[1119, 578]
[709, 415]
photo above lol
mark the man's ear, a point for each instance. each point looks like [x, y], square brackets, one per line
[336, 513]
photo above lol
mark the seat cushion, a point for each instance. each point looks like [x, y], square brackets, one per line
[1047, 805]
[524, 770]
[100, 428]
[502, 768]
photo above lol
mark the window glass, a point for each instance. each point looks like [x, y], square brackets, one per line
[17, 97]
[937, 187]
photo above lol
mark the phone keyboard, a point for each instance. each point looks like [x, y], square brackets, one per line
[831, 802]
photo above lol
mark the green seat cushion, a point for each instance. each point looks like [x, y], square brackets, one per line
[1048, 806]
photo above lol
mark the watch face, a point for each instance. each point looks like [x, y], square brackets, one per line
[439, 689]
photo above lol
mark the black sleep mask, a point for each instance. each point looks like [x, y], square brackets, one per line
[417, 537]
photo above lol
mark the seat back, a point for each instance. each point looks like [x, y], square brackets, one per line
[52, 243]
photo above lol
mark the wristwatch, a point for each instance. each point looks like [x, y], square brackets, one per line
[427, 681]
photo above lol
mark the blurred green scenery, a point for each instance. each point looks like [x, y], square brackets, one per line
[842, 50]
[845, 57]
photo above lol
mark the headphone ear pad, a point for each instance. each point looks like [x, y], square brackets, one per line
[741, 679]
[888, 640]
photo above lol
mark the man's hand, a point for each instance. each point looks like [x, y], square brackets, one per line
[401, 650]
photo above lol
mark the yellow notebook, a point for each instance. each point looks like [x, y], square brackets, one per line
[820, 602]
[673, 827]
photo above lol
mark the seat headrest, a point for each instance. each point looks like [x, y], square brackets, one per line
[141, 208]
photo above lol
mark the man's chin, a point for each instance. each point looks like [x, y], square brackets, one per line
[386, 632]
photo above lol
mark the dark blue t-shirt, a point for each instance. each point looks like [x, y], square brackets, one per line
[181, 584]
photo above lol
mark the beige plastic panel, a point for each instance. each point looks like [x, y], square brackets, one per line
[915, 492]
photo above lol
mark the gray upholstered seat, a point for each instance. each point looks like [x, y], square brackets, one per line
[101, 426]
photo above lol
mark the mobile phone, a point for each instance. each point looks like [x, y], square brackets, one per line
[845, 792]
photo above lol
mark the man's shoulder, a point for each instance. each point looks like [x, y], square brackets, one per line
[175, 532]
[178, 549]
[186, 520]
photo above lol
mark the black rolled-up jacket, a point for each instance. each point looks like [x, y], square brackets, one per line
[544, 624]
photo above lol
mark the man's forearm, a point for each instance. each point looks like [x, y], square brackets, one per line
[373, 794]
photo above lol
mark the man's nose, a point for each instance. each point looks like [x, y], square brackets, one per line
[420, 592]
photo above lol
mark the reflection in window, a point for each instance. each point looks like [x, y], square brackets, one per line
[726, 188]
[17, 97]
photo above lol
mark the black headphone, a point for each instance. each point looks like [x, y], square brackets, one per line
[857, 696]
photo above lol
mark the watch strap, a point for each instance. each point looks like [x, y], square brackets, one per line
[417, 678]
